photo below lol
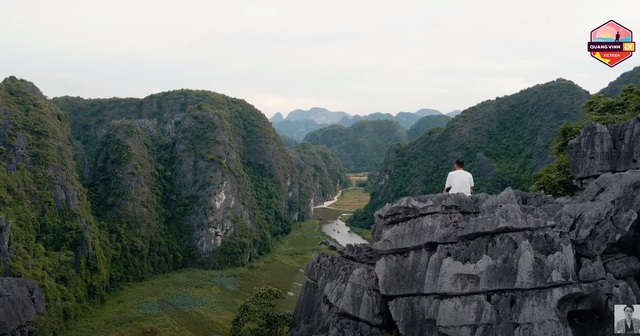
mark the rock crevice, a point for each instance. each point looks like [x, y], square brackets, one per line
[516, 263]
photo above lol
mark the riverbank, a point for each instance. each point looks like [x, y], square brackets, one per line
[332, 217]
[204, 302]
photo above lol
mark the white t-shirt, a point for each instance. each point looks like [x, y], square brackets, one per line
[460, 181]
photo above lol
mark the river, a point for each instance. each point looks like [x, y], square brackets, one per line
[331, 225]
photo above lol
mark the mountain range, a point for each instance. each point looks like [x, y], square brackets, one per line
[299, 123]
[96, 193]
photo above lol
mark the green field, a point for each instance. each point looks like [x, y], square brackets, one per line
[351, 199]
[199, 302]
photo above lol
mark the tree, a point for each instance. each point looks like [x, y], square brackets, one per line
[556, 178]
[258, 317]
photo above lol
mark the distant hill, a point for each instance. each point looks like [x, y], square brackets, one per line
[360, 147]
[427, 112]
[453, 113]
[288, 142]
[299, 123]
[614, 88]
[426, 123]
[297, 129]
[277, 118]
[318, 114]
[503, 141]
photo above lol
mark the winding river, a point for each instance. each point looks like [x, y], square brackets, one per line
[333, 226]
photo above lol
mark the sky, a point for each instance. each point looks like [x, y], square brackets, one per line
[279, 55]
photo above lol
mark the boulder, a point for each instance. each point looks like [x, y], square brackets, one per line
[21, 300]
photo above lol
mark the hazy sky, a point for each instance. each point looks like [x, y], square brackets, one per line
[350, 55]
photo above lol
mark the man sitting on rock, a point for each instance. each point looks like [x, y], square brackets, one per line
[459, 180]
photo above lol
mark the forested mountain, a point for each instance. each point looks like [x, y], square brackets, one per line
[362, 146]
[288, 142]
[95, 193]
[318, 114]
[301, 122]
[297, 129]
[48, 231]
[453, 113]
[503, 141]
[614, 88]
[426, 123]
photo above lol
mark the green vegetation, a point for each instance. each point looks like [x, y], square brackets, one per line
[614, 88]
[258, 315]
[54, 238]
[199, 302]
[352, 199]
[360, 147]
[315, 163]
[135, 187]
[503, 142]
[556, 178]
[427, 123]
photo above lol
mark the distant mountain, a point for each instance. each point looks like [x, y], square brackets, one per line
[318, 114]
[503, 142]
[453, 113]
[299, 123]
[276, 118]
[360, 147]
[427, 123]
[426, 112]
[349, 121]
[615, 87]
[288, 142]
[407, 119]
[297, 129]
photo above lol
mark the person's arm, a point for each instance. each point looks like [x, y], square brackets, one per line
[447, 185]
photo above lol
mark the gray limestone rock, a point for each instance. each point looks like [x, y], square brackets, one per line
[600, 149]
[623, 267]
[530, 312]
[510, 264]
[603, 213]
[349, 287]
[466, 217]
[518, 260]
[315, 316]
[21, 301]
[592, 153]
[362, 253]
[591, 270]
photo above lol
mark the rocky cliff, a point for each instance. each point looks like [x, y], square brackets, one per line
[605, 148]
[98, 193]
[211, 163]
[515, 263]
[20, 302]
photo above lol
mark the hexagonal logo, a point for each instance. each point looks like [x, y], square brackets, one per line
[611, 43]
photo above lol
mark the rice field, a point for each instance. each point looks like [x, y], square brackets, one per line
[203, 302]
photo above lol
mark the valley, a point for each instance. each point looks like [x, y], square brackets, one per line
[204, 302]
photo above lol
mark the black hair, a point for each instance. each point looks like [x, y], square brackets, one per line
[629, 306]
[460, 163]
